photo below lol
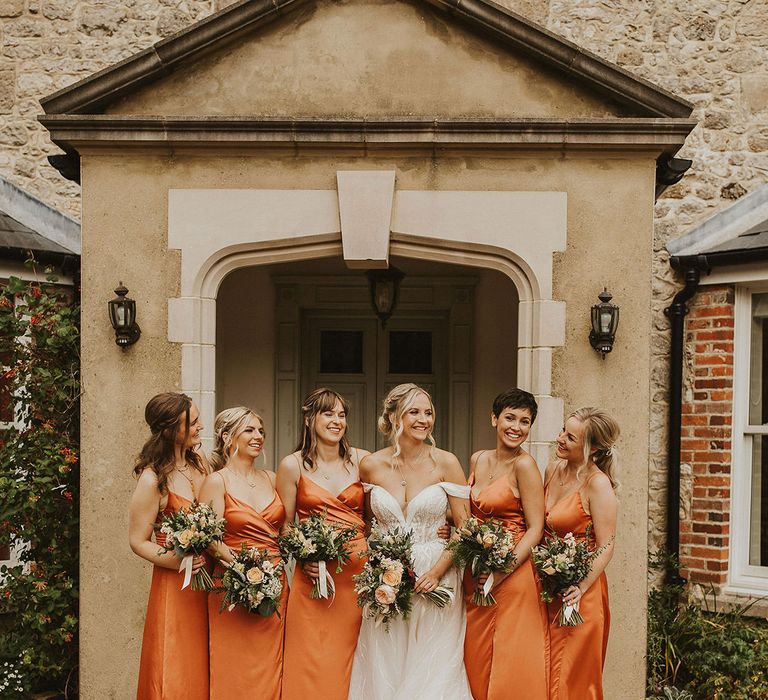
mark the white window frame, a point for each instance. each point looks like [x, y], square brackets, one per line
[743, 577]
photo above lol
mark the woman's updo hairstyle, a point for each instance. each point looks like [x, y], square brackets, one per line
[227, 427]
[166, 415]
[396, 403]
[600, 435]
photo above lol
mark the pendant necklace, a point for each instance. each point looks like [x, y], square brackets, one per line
[245, 479]
[183, 472]
[507, 461]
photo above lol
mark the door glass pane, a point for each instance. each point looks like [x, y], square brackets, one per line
[341, 352]
[410, 352]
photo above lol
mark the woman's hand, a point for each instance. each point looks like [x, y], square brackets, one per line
[498, 577]
[572, 595]
[444, 532]
[427, 582]
[311, 569]
[198, 562]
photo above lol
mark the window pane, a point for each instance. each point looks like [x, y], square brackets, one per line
[758, 375]
[341, 352]
[758, 531]
[410, 352]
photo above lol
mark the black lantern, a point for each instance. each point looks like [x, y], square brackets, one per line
[122, 314]
[605, 321]
[385, 288]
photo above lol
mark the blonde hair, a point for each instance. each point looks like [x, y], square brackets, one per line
[319, 401]
[600, 435]
[397, 402]
[226, 428]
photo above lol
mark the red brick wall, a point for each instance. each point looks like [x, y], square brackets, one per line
[706, 434]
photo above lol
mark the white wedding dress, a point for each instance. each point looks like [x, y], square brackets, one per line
[421, 658]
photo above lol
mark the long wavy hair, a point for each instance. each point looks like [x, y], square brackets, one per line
[600, 435]
[227, 427]
[317, 402]
[390, 422]
[166, 414]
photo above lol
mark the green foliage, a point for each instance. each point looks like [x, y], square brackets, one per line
[714, 654]
[39, 483]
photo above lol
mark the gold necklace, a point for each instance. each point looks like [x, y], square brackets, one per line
[183, 471]
[507, 461]
[403, 480]
[560, 479]
[245, 478]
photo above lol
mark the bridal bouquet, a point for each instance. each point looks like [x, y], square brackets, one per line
[562, 562]
[485, 546]
[253, 582]
[385, 586]
[316, 538]
[189, 532]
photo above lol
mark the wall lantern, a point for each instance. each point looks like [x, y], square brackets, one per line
[122, 314]
[385, 288]
[605, 321]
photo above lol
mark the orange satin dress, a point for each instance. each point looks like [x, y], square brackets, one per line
[504, 646]
[174, 652]
[320, 639]
[577, 654]
[247, 649]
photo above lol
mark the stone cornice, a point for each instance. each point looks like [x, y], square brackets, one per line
[97, 91]
[75, 132]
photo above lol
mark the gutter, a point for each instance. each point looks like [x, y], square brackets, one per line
[691, 267]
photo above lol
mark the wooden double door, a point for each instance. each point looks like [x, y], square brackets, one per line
[351, 353]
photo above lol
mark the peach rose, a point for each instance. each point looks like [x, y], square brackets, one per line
[489, 540]
[184, 537]
[385, 595]
[392, 577]
[254, 575]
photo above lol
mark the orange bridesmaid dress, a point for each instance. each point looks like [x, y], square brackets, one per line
[320, 638]
[174, 652]
[247, 649]
[577, 654]
[504, 646]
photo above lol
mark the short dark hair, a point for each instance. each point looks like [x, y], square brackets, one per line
[515, 398]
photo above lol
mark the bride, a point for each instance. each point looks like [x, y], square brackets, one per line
[409, 486]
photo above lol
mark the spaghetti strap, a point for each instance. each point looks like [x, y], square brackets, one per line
[223, 481]
[551, 475]
[298, 461]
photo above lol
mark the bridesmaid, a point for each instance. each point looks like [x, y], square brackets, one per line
[170, 471]
[504, 646]
[246, 649]
[580, 493]
[320, 638]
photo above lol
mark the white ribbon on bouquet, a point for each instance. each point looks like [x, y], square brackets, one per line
[569, 609]
[186, 567]
[325, 582]
[488, 585]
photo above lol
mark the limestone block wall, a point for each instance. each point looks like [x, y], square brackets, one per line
[46, 45]
[712, 52]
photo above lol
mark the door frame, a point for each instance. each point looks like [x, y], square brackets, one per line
[452, 295]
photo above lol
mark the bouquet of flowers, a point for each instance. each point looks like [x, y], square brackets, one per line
[385, 586]
[189, 532]
[316, 538]
[563, 562]
[253, 582]
[485, 546]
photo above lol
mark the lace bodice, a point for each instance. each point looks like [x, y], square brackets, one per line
[424, 514]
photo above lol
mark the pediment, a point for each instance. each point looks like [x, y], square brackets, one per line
[367, 59]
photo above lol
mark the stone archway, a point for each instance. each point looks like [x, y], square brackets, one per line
[218, 231]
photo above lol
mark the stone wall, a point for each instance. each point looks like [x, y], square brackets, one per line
[712, 52]
[46, 45]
